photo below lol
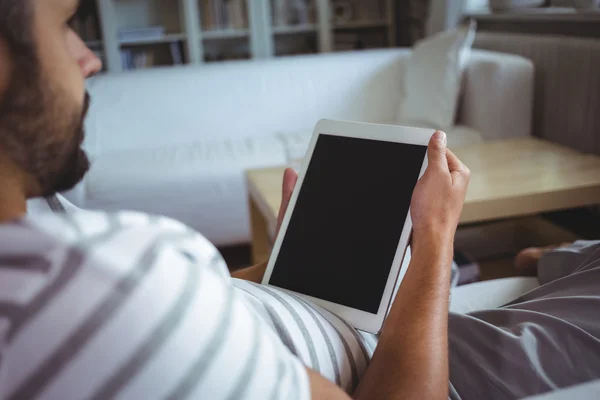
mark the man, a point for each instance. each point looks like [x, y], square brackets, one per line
[98, 306]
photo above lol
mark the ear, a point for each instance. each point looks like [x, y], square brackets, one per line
[5, 67]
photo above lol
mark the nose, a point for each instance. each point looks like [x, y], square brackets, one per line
[89, 63]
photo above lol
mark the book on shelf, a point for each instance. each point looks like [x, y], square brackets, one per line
[293, 12]
[224, 14]
[279, 12]
[132, 59]
[176, 53]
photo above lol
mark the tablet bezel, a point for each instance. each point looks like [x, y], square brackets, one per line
[360, 319]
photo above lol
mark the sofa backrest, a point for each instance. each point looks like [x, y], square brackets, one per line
[567, 84]
[158, 107]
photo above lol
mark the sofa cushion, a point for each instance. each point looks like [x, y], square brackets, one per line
[296, 143]
[165, 106]
[433, 78]
[201, 183]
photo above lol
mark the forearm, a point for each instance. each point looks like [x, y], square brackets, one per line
[253, 274]
[411, 360]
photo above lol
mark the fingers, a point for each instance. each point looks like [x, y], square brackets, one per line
[436, 151]
[453, 162]
[443, 159]
[290, 177]
[456, 167]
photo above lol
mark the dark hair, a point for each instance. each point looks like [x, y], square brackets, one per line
[16, 18]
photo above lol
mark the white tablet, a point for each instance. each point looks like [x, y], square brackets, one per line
[346, 230]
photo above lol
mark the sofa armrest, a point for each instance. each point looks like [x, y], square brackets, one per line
[498, 95]
[489, 294]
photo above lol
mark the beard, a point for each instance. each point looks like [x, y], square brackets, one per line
[41, 131]
[76, 163]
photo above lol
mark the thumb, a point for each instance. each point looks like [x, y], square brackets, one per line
[290, 177]
[436, 151]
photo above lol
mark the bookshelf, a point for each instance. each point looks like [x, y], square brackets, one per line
[293, 29]
[226, 34]
[134, 34]
[295, 26]
[167, 38]
[363, 25]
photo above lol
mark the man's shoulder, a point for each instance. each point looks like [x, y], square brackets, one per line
[113, 300]
[88, 223]
[87, 227]
[113, 238]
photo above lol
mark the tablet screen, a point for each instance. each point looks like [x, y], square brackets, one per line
[344, 232]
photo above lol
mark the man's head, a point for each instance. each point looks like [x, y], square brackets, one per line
[43, 65]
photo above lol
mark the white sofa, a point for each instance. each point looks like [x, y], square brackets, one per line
[177, 141]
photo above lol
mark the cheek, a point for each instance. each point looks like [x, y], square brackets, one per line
[75, 81]
[61, 68]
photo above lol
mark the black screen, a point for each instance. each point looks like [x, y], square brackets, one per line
[344, 232]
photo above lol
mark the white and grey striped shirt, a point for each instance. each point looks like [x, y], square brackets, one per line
[131, 306]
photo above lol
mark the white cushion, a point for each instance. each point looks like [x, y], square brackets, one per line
[201, 183]
[161, 107]
[489, 294]
[296, 143]
[432, 79]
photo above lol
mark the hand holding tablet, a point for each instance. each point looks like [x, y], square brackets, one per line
[345, 233]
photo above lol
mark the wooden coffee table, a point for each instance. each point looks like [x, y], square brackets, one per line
[509, 178]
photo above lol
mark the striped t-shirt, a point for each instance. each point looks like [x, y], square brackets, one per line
[131, 306]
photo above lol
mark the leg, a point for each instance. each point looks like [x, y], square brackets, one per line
[564, 261]
[527, 260]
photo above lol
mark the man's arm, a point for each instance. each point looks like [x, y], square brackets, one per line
[411, 360]
[554, 262]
